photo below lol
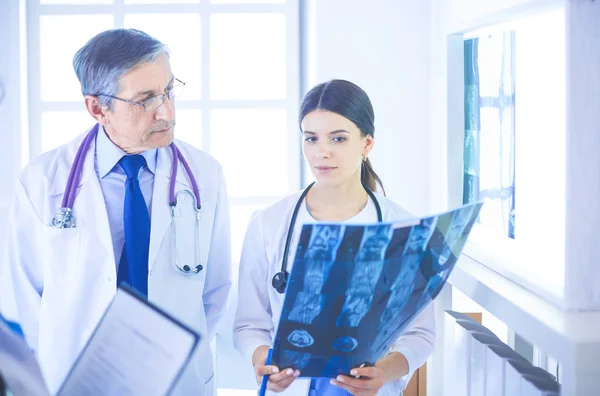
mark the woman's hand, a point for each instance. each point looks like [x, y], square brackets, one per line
[370, 381]
[278, 380]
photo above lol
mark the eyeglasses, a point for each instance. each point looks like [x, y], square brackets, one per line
[155, 102]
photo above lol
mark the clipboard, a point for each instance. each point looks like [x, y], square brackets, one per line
[135, 348]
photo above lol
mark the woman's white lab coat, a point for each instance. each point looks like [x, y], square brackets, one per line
[260, 305]
[58, 282]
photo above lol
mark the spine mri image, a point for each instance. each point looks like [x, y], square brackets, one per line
[354, 289]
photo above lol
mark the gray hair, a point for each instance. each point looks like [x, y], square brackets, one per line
[109, 55]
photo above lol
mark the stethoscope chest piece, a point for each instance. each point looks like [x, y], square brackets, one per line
[64, 219]
[279, 281]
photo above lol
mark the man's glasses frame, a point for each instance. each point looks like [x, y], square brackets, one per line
[154, 102]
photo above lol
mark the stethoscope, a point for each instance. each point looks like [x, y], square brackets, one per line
[66, 219]
[280, 279]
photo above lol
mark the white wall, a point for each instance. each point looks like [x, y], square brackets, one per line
[10, 110]
[383, 46]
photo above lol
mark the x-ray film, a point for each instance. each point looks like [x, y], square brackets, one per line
[354, 289]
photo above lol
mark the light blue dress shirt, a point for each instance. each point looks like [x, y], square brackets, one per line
[112, 181]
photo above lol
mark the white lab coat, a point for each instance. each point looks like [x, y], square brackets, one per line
[259, 305]
[58, 282]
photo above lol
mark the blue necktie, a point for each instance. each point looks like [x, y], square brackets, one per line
[14, 326]
[133, 268]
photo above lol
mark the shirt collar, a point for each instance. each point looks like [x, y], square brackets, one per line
[109, 154]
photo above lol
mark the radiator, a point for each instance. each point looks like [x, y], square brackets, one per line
[477, 363]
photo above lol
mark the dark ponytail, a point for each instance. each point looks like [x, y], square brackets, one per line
[369, 178]
[350, 101]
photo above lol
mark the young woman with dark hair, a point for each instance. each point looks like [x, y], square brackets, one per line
[337, 124]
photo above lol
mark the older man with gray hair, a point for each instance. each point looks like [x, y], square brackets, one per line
[122, 203]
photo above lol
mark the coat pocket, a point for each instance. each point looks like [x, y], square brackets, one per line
[60, 253]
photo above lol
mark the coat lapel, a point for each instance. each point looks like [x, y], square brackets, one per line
[92, 195]
[160, 218]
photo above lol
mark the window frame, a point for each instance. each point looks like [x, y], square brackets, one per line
[500, 254]
[205, 9]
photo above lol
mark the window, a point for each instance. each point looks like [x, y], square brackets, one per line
[239, 59]
[514, 149]
[490, 129]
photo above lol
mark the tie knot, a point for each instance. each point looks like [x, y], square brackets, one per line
[132, 164]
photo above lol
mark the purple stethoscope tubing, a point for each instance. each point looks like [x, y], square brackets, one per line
[177, 155]
[66, 219]
[75, 173]
[76, 169]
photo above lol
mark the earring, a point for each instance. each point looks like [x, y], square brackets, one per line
[364, 157]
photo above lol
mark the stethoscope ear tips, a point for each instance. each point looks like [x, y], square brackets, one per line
[279, 282]
[198, 268]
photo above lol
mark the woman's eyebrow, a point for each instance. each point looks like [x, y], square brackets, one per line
[331, 133]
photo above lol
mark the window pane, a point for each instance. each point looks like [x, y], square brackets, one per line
[251, 144]
[181, 33]
[490, 64]
[76, 1]
[58, 45]
[247, 1]
[60, 127]
[189, 127]
[247, 56]
[490, 172]
[515, 138]
[161, 1]
[540, 152]
[490, 130]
